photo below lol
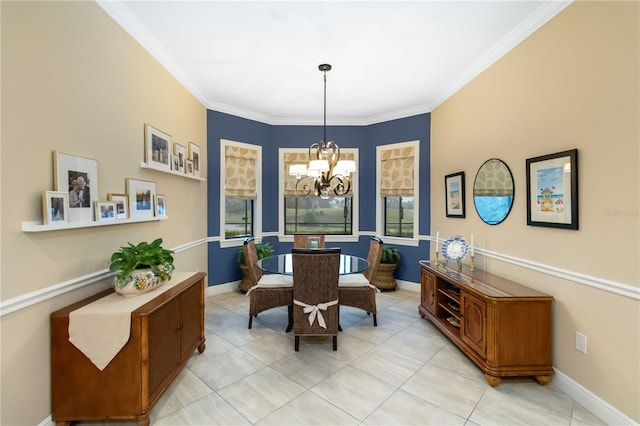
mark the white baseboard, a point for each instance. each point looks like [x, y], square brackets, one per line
[596, 405]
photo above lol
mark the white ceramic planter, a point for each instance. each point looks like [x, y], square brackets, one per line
[139, 281]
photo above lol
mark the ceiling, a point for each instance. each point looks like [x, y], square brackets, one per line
[391, 59]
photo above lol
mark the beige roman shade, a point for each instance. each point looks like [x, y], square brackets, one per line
[397, 172]
[291, 158]
[240, 172]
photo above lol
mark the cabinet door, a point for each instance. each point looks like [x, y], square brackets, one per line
[472, 322]
[163, 343]
[428, 291]
[191, 318]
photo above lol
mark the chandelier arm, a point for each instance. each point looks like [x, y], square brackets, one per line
[342, 187]
[303, 188]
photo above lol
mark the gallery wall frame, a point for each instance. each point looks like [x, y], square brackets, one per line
[105, 211]
[161, 205]
[180, 151]
[552, 190]
[122, 205]
[55, 207]
[455, 195]
[141, 194]
[194, 155]
[78, 176]
[157, 148]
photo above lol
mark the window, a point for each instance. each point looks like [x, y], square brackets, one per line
[397, 187]
[311, 214]
[240, 166]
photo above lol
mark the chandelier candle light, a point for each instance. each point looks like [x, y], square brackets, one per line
[325, 173]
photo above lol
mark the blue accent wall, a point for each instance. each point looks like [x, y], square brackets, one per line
[222, 264]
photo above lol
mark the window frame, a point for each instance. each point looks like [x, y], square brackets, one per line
[355, 230]
[257, 203]
[380, 217]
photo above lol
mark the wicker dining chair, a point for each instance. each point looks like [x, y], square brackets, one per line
[358, 290]
[315, 293]
[302, 240]
[268, 291]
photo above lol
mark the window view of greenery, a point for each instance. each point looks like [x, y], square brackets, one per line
[398, 216]
[315, 215]
[238, 218]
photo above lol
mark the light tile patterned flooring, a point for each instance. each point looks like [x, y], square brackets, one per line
[403, 372]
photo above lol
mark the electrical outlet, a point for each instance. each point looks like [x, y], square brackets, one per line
[581, 342]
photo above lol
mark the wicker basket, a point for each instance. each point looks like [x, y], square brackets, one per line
[384, 279]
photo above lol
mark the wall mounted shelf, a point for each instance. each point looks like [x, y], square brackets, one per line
[170, 172]
[39, 227]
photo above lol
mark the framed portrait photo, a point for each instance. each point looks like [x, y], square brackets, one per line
[189, 167]
[454, 195]
[552, 190]
[181, 152]
[122, 205]
[55, 207]
[194, 155]
[161, 205]
[78, 177]
[157, 148]
[105, 211]
[141, 194]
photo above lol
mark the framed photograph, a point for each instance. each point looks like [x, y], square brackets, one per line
[175, 163]
[157, 148]
[122, 205]
[454, 194]
[141, 194]
[105, 211]
[161, 205]
[552, 190]
[78, 177]
[189, 167]
[55, 207]
[181, 152]
[194, 155]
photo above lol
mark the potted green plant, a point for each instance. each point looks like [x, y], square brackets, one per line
[263, 250]
[385, 279]
[141, 267]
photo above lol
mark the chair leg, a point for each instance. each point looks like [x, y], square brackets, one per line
[297, 343]
[290, 325]
[339, 326]
[250, 320]
[375, 320]
[335, 343]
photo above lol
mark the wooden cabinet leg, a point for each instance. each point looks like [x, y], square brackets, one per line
[63, 423]
[543, 380]
[143, 420]
[201, 347]
[492, 380]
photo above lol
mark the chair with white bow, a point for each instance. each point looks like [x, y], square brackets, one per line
[315, 293]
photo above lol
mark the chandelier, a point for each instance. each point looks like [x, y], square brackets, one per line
[325, 173]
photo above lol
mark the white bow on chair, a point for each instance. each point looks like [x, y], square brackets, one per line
[314, 310]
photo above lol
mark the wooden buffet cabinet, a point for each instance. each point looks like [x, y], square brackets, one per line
[502, 326]
[164, 333]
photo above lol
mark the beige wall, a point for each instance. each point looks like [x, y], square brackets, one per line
[74, 81]
[572, 84]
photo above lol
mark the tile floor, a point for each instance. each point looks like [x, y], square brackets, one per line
[403, 372]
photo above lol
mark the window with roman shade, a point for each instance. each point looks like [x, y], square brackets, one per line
[240, 169]
[397, 174]
[240, 172]
[397, 185]
[311, 214]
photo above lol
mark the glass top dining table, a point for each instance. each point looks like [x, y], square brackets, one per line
[283, 264]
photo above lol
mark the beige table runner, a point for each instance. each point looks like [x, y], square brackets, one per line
[101, 328]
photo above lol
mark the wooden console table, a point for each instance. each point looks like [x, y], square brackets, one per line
[502, 326]
[164, 334]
